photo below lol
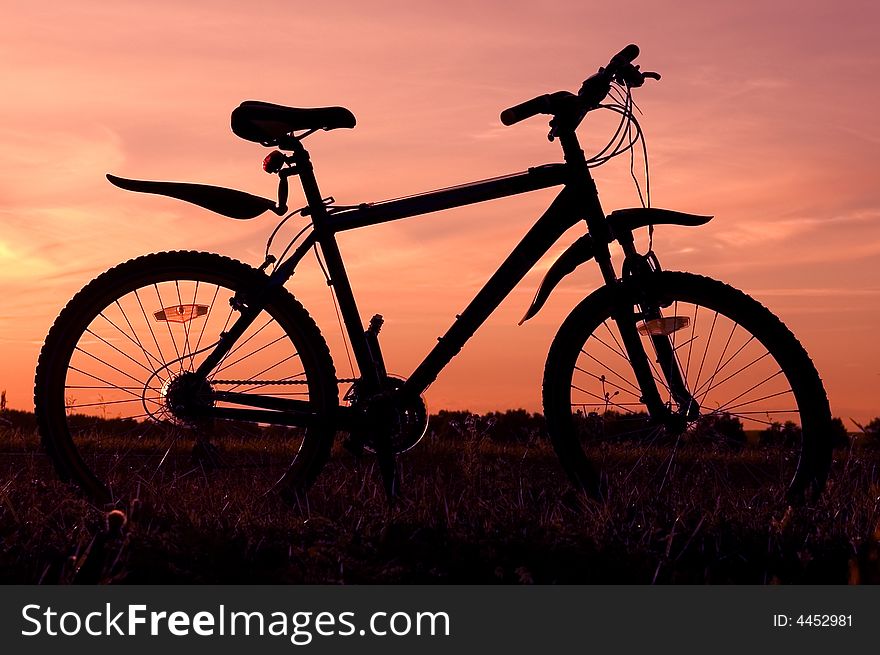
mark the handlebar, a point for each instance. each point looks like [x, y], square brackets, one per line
[541, 105]
[591, 94]
[627, 55]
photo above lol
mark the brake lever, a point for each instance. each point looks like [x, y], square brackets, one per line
[632, 77]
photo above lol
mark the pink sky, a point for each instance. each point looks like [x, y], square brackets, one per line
[765, 117]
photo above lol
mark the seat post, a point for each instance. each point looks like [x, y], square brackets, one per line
[306, 173]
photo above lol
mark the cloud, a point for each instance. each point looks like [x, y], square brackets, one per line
[17, 264]
[40, 166]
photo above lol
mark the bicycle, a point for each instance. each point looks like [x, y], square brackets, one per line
[657, 382]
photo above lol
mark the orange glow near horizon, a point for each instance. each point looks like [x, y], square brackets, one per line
[765, 118]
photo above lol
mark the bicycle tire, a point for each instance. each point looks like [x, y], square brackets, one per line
[593, 434]
[112, 468]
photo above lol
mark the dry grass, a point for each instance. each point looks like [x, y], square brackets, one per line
[473, 511]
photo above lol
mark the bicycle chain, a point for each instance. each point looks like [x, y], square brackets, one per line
[275, 382]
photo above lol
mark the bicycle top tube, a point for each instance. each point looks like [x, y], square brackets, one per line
[538, 177]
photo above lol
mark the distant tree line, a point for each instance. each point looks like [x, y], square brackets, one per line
[519, 425]
[516, 425]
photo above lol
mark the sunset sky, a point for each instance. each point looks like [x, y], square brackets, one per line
[765, 117]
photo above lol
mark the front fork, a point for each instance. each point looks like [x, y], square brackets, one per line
[638, 271]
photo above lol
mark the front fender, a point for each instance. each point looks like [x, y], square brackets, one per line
[621, 221]
[627, 220]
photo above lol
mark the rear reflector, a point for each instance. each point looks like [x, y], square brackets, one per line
[181, 313]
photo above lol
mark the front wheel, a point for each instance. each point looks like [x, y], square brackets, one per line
[120, 408]
[759, 431]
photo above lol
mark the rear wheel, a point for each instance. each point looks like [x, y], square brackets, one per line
[118, 403]
[762, 433]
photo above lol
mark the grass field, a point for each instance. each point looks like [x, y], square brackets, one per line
[474, 510]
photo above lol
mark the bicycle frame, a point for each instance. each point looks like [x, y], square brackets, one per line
[578, 200]
[557, 219]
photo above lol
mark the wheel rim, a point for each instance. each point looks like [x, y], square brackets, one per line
[128, 382]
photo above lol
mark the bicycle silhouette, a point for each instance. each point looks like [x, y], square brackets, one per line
[177, 371]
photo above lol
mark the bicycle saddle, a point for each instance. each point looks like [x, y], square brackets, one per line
[265, 123]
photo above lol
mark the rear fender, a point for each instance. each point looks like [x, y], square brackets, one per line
[223, 201]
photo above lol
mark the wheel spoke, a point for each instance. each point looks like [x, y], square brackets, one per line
[718, 370]
[133, 337]
[98, 359]
[690, 342]
[149, 327]
[251, 354]
[696, 384]
[728, 405]
[620, 351]
[735, 373]
[613, 372]
[112, 402]
[168, 325]
[608, 401]
[222, 365]
[205, 322]
[121, 352]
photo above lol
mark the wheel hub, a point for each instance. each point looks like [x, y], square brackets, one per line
[186, 396]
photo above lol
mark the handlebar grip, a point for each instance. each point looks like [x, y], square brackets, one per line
[627, 55]
[525, 110]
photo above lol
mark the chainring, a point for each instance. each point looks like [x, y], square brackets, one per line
[408, 423]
